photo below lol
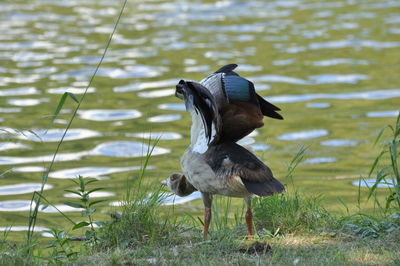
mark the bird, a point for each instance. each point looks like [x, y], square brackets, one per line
[214, 163]
[241, 109]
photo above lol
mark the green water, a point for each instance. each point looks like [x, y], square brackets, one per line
[332, 67]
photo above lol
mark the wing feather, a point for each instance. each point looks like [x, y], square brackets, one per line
[231, 159]
[198, 97]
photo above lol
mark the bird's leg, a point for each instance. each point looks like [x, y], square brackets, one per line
[249, 218]
[207, 200]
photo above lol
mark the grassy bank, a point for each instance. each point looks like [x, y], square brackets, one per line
[291, 228]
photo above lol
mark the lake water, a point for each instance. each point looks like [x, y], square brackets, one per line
[331, 66]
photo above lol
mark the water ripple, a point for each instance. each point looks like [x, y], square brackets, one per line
[339, 142]
[156, 93]
[364, 95]
[391, 113]
[172, 106]
[164, 118]
[4, 146]
[27, 102]
[109, 115]
[155, 135]
[371, 182]
[126, 149]
[305, 134]
[146, 85]
[54, 135]
[319, 160]
[90, 172]
[24, 188]
[19, 91]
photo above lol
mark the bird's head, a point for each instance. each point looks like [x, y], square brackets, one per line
[180, 92]
[173, 181]
[178, 185]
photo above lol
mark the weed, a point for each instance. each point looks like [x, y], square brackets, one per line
[61, 248]
[366, 226]
[290, 212]
[389, 174]
[141, 220]
[86, 205]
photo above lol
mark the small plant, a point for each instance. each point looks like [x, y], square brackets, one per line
[366, 226]
[61, 248]
[389, 173]
[289, 212]
[86, 205]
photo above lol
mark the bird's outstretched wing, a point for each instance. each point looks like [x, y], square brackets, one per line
[227, 86]
[233, 160]
[197, 97]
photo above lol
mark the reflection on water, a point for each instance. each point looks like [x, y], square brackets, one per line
[15, 205]
[62, 90]
[54, 135]
[371, 182]
[260, 147]
[319, 160]
[4, 146]
[391, 113]
[91, 172]
[155, 135]
[108, 115]
[175, 200]
[126, 149]
[318, 105]
[364, 95]
[19, 228]
[25, 205]
[306, 134]
[27, 102]
[172, 106]
[10, 110]
[22, 188]
[29, 169]
[168, 200]
[339, 142]
[335, 78]
[246, 141]
[95, 194]
[138, 71]
[146, 85]
[156, 93]
[164, 118]
[58, 208]
[339, 61]
[19, 91]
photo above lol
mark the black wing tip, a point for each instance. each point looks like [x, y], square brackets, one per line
[265, 189]
[274, 115]
[226, 68]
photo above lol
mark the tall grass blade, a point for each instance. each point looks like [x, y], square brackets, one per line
[33, 212]
[61, 103]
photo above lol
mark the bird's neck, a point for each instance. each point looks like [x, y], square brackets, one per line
[198, 141]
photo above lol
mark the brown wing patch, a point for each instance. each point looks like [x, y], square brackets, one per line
[240, 119]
